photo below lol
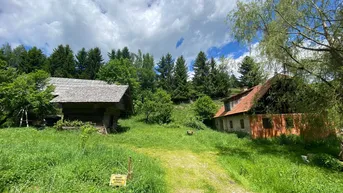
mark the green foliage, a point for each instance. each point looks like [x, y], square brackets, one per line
[112, 54]
[165, 69]
[62, 62]
[251, 73]
[326, 161]
[157, 107]
[81, 63]
[146, 72]
[303, 37]
[204, 108]
[36, 60]
[65, 123]
[120, 71]
[94, 62]
[180, 84]
[201, 79]
[86, 131]
[195, 124]
[27, 93]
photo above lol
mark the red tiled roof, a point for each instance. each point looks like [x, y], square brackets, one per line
[246, 102]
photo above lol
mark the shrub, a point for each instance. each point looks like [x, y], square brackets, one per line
[204, 108]
[288, 139]
[60, 124]
[195, 124]
[158, 107]
[326, 161]
[241, 134]
[86, 130]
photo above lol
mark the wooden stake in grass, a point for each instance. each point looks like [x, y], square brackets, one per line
[129, 174]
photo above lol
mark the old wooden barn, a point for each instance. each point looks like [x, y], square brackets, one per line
[92, 101]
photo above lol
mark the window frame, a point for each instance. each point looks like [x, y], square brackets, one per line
[270, 121]
[242, 123]
[231, 124]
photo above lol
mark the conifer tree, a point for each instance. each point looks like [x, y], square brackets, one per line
[119, 54]
[81, 63]
[36, 60]
[94, 62]
[19, 59]
[146, 73]
[125, 53]
[112, 54]
[62, 63]
[201, 75]
[251, 74]
[162, 73]
[180, 84]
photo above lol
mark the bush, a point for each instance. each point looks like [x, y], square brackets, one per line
[288, 139]
[158, 107]
[204, 108]
[60, 124]
[86, 130]
[195, 124]
[241, 134]
[326, 161]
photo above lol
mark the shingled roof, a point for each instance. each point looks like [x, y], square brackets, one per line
[247, 102]
[69, 90]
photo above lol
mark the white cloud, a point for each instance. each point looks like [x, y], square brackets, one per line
[153, 26]
[269, 67]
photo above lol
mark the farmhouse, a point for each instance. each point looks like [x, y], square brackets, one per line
[248, 112]
[92, 101]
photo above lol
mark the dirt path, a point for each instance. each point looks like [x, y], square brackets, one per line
[187, 172]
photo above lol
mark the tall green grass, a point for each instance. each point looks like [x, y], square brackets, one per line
[276, 168]
[43, 161]
[50, 161]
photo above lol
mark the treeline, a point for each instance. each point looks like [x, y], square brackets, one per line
[139, 70]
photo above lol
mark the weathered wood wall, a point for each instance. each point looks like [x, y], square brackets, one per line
[279, 125]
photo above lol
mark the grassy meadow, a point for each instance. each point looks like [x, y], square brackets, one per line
[165, 159]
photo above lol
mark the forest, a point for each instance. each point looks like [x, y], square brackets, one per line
[27, 70]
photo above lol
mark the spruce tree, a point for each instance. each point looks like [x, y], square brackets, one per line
[251, 74]
[19, 60]
[112, 54]
[180, 84]
[81, 63]
[126, 53]
[162, 73]
[201, 75]
[94, 62]
[213, 79]
[36, 60]
[223, 79]
[62, 63]
[119, 54]
[146, 73]
[169, 72]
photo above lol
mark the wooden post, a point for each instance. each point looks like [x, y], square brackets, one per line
[129, 174]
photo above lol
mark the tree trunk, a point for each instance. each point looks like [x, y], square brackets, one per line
[27, 120]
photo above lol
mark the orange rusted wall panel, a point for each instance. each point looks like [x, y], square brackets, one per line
[279, 125]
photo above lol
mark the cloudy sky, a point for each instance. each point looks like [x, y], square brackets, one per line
[181, 27]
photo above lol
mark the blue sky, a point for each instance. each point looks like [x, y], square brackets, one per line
[154, 26]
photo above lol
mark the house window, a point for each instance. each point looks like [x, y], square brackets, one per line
[267, 123]
[227, 107]
[242, 123]
[289, 123]
[231, 124]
